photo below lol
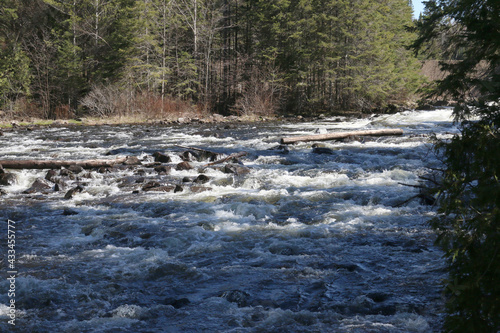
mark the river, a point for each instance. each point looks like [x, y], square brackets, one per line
[302, 243]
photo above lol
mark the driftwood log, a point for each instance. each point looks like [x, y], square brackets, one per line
[340, 135]
[56, 164]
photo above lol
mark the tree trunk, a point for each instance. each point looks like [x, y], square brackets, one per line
[56, 164]
[340, 135]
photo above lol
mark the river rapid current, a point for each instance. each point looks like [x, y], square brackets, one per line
[304, 242]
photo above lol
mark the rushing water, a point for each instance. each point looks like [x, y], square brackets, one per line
[303, 243]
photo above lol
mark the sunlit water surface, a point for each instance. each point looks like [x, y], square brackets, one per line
[303, 243]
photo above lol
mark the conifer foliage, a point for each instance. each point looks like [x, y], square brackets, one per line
[469, 224]
[230, 56]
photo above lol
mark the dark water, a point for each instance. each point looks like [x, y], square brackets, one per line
[302, 243]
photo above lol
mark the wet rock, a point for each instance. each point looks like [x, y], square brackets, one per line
[130, 181]
[378, 296]
[283, 148]
[207, 225]
[239, 297]
[2, 192]
[187, 180]
[235, 169]
[7, 178]
[76, 169]
[162, 158]
[103, 170]
[207, 155]
[163, 169]
[150, 185]
[117, 151]
[51, 176]
[183, 166]
[199, 189]
[202, 179]
[140, 172]
[188, 156]
[66, 173]
[59, 187]
[39, 185]
[178, 188]
[177, 303]
[132, 160]
[322, 150]
[69, 212]
[161, 188]
[72, 192]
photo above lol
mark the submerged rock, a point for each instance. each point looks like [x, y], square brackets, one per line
[199, 189]
[69, 212]
[322, 150]
[241, 298]
[177, 303]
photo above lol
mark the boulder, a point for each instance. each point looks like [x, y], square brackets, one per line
[188, 156]
[51, 176]
[322, 150]
[161, 188]
[183, 166]
[39, 185]
[7, 178]
[162, 158]
[132, 160]
[66, 173]
[241, 298]
[201, 179]
[163, 169]
[177, 303]
[235, 169]
[75, 169]
[150, 185]
[72, 192]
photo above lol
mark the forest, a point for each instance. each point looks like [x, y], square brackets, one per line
[65, 58]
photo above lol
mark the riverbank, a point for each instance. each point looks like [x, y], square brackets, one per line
[184, 120]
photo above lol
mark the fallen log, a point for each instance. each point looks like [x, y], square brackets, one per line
[56, 164]
[340, 135]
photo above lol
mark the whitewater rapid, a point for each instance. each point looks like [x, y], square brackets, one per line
[302, 243]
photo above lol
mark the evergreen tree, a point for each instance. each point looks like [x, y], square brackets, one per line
[14, 64]
[469, 225]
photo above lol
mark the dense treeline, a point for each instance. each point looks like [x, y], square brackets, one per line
[468, 225]
[242, 56]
